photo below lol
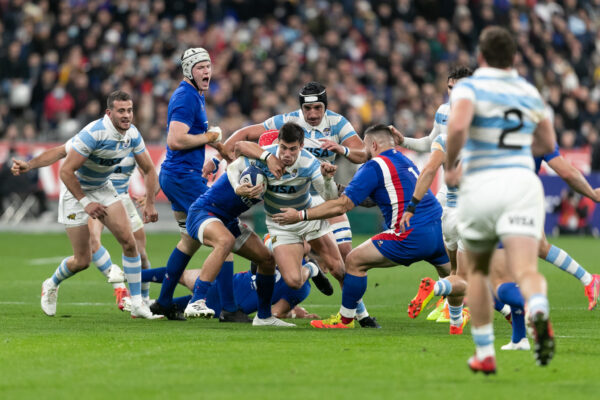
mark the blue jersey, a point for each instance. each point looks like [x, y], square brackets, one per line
[186, 106]
[221, 200]
[389, 179]
[545, 157]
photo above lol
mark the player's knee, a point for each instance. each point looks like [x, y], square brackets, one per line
[294, 282]
[81, 262]
[224, 242]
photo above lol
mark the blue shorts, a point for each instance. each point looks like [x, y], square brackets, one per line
[182, 190]
[196, 218]
[421, 243]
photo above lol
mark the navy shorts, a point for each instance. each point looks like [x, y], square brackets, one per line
[182, 190]
[196, 218]
[421, 243]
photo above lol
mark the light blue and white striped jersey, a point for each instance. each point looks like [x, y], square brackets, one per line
[439, 144]
[122, 175]
[333, 126]
[293, 188]
[507, 111]
[440, 124]
[105, 148]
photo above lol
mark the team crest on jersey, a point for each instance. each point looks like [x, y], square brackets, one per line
[293, 173]
[380, 243]
[71, 216]
[273, 239]
[327, 131]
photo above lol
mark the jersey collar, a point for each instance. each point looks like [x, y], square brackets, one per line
[496, 72]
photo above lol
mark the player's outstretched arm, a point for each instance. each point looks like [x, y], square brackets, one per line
[423, 184]
[352, 148]
[179, 138]
[144, 162]
[544, 140]
[249, 133]
[421, 145]
[573, 177]
[48, 157]
[72, 163]
[331, 208]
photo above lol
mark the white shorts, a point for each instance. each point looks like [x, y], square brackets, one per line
[442, 195]
[132, 213]
[498, 203]
[296, 233]
[72, 213]
[450, 229]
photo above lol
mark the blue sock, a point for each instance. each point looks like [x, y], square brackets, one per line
[564, 261]
[182, 302]
[200, 290]
[156, 275]
[511, 295]
[353, 290]
[132, 266]
[498, 305]
[225, 286]
[443, 287]
[61, 273]
[175, 267]
[264, 290]
[360, 307]
[102, 260]
[456, 317]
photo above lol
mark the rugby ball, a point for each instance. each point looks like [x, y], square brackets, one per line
[254, 176]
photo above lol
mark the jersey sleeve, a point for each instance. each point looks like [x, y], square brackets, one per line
[438, 145]
[463, 90]
[84, 143]
[345, 129]
[274, 122]
[184, 110]
[137, 143]
[363, 184]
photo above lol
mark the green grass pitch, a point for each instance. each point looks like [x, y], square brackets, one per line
[92, 350]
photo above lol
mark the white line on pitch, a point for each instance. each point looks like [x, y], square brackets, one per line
[44, 261]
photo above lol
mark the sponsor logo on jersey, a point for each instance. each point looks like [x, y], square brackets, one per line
[520, 220]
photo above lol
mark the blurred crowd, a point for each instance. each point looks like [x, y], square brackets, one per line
[382, 61]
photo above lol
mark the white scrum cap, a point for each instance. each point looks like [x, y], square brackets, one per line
[192, 57]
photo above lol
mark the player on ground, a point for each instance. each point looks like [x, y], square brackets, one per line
[389, 179]
[285, 301]
[502, 119]
[181, 175]
[302, 170]
[100, 256]
[96, 151]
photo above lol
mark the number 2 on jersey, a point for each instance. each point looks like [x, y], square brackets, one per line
[506, 131]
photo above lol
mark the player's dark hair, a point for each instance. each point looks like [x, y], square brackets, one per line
[379, 129]
[497, 46]
[313, 92]
[291, 132]
[459, 72]
[117, 95]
